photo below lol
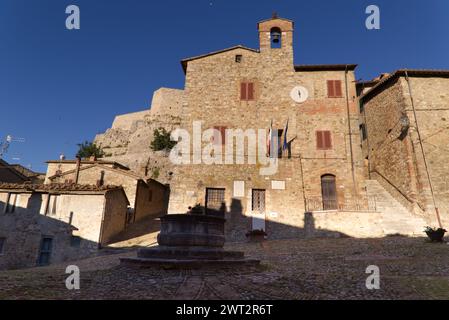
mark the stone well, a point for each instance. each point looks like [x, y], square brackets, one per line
[189, 241]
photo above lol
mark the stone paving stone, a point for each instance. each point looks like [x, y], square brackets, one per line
[410, 268]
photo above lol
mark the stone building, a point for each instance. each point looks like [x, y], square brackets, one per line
[43, 224]
[328, 179]
[16, 173]
[147, 197]
[405, 119]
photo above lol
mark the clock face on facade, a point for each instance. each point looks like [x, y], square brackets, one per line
[299, 94]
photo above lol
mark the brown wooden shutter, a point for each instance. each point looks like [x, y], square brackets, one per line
[327, 140]
[330, 88]
[243, 89]
[319, 140]
[338, 92]
[250, 87]
[223, 135]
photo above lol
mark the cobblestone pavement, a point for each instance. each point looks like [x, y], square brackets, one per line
[410, 268]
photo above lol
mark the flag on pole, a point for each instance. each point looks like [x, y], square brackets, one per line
[285, 145]
[269, 138]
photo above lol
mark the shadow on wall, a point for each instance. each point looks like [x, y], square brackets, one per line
[29, 239]
[238, 225]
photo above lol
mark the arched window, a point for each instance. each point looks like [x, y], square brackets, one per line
[276, 38]
[329, 192]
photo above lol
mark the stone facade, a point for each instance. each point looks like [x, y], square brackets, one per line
[79, 221]
[379, 189]
[406, 119]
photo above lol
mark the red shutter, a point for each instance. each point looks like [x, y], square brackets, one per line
[337, 91]
[250, 91]
[223, 135]
[319, 139]
[327, 140]
[330, 88]
[243, 91]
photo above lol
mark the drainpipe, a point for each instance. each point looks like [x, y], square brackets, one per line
[437, 212]
[350, 130]
[77, 170]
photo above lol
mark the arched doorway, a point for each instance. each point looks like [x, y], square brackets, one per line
[329, 192]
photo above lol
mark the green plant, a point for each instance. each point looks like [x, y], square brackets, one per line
[155, 173]
[162, 140]
[88, 149]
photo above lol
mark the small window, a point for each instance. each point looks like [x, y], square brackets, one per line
[75, 241]
[11, 202]
[2, 245]
[238, 58]
[45, 251]
[219, 135]
[334, 89]
[258, 200]
[246, 91]
[150, 195]
[363, 131]
[323, 140]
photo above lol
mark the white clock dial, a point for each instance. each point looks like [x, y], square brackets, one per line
[299, 94]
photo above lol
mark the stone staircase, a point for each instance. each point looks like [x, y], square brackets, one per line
[396, 219]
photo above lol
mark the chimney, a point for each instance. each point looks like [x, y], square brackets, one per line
[77, 171]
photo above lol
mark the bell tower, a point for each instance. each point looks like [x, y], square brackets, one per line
[276, 37]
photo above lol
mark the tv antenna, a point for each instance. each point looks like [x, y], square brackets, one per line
[4, 145]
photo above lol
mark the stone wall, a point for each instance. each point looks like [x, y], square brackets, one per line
[398, 161]
[212, 94]
[94, 218]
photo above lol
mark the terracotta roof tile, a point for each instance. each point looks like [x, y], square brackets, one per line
[57, 187]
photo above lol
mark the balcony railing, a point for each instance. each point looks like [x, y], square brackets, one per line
[359, 204]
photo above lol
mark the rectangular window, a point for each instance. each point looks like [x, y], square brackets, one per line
[75, 241]
[334, 89]
[238, 58]
[258, 200]
[150, 195]
[246, 91]
[45, 251]
[219, 134]
[215, 201]
[2, 245]
[11, 202]
[52, 204]
[323, 140]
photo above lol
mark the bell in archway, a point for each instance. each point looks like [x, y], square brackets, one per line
[276, 36]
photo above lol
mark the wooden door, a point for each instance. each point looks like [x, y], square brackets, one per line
[329, 192]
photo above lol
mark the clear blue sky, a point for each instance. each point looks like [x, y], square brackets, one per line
[61, 87]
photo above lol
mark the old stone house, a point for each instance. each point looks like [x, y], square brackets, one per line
[147, 197]
[404, 117]
[332, 179]
[16, 173]
[43, 224]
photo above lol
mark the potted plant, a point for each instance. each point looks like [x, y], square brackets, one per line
[256, 235]
[434, 234]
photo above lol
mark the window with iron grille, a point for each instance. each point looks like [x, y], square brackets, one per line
[258, 200]
[215, 199]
